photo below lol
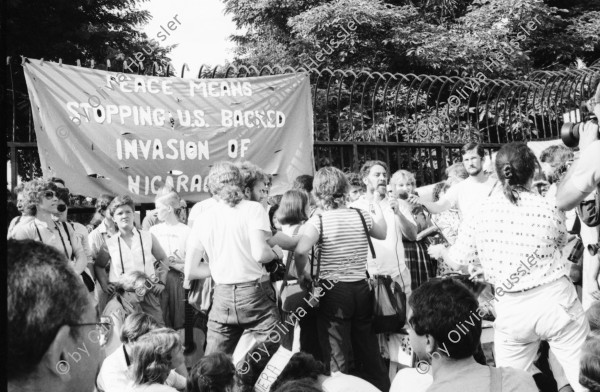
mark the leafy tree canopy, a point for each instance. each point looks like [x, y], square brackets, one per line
[451, 37]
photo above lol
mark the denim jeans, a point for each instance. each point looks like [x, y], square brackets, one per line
[344, 327]
[240, 307]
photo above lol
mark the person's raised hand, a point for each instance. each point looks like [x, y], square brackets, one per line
[588, 134]
[414, 199]
[109, 288]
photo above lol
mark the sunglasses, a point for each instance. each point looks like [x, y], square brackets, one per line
[103, 328]
[49, 195]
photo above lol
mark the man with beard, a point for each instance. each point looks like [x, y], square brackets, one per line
[467, 195]
[389, 252]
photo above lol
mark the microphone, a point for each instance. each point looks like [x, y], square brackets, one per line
[402, 195]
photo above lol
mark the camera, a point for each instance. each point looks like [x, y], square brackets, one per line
[569, 132]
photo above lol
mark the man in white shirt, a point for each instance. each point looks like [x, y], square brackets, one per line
[234, 236]
[114, 375]
[389, 252]
[467, 195]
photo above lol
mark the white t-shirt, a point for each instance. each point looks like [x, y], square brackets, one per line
[586, 176]
[113, 376]
[468, 195]
[410, 380]
[172, 238]
[199, 208]
[390, 252]
[341, 382]
[223, 231]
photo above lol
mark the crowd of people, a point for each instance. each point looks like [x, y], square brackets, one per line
[104, 307]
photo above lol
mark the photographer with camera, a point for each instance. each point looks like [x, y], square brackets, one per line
[578, 185]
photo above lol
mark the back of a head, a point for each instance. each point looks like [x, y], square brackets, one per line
[330, 186]
[304, 182]
[136, 325]
[515, 165]
[225, 182]
[151, 356]
[292, 207]
[589, 369]
[445, 309]
[300, 366]
[213, 373]
[44, 293]
[303, 385]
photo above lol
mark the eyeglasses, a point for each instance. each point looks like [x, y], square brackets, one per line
[103, 327]
[49, 195]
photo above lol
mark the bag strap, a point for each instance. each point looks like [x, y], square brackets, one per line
[316, 277]
[495, 379]
[391, 296]
[364, 223]
[64, 224]
[288, 262]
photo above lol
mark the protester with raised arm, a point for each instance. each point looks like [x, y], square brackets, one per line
[468, 194]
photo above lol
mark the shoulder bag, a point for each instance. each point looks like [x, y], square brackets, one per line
[389, 301]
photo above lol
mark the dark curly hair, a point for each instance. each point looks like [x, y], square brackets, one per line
[213, 373]
[301, 366]
[33, 192]
[445, 309]
[515, 166]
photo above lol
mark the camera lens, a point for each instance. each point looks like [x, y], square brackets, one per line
[569, 133]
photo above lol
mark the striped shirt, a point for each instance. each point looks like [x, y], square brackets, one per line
[344, 248]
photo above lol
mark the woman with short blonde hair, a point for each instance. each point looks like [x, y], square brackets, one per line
[422, 267]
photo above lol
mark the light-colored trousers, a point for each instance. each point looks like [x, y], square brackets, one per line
[550, 312]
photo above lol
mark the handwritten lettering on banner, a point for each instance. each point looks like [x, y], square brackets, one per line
[116, 133]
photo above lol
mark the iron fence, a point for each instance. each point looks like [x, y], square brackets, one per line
[413, 122]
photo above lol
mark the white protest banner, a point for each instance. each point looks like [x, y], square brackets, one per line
[105, 132]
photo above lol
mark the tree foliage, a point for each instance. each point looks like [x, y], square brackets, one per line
[451, 37]
[70, 30]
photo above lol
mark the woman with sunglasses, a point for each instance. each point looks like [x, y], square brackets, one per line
[41, 195]
[129, 293]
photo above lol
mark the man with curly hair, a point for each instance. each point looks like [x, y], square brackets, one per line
[233, 235]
